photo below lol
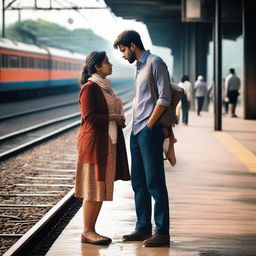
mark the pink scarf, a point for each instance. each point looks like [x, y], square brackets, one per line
[106, 85]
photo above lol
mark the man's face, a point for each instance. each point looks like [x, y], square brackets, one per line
[127, 53]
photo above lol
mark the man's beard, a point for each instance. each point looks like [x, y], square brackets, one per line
[131, 57]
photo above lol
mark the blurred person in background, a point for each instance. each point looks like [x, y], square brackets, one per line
[232, 87]
[225, 100]
[200, 93]
[186, 98]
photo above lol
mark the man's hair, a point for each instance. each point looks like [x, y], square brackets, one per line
[232, 70]
[184, 78]
[127, 37]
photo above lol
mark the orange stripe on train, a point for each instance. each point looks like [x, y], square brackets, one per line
[15, 75]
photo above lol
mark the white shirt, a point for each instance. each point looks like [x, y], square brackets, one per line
[200, 88]
[187, 89]
[232, 83]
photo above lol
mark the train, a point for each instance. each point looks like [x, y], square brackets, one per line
[27, 67]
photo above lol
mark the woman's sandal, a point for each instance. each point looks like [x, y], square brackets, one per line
[104, 241]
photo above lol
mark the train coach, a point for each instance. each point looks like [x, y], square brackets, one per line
[27, 67]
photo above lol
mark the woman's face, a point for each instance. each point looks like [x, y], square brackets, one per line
[105, 69]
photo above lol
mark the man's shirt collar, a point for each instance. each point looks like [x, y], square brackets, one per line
[143, 58]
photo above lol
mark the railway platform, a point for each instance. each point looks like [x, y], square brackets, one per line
[212, 192]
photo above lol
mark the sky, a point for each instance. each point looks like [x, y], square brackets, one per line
[102, 21]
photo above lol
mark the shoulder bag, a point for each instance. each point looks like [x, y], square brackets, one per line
[168, 118]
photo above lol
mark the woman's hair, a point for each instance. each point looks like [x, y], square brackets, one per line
[93, 58]
[127, 37]
[184, 78]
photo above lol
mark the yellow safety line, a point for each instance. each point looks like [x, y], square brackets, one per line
[237, 149]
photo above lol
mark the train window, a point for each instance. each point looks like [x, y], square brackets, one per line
[37, 63]
[54, 64]
[4, 61]
[40, 63]
[31, 62]
[13, 61]
[24, 62]
[46, 63]
[43, 62]
[78, 66]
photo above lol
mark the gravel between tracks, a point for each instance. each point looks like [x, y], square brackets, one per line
[52, 164]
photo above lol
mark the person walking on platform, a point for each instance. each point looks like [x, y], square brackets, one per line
[101, 148]
[186, 98]
[146, 142]
[201, 92]
[232, 86]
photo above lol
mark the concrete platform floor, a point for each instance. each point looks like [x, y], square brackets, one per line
[212, 193]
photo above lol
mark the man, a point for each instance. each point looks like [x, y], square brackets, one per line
[201, 92]
[146, 142]
[232, 86]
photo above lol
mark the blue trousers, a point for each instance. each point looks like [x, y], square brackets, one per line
[148, 179]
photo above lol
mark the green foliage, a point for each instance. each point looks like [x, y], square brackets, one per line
[45, 33]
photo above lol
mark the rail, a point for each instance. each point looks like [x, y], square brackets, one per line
[46, 230]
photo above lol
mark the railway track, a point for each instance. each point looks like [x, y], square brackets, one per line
[34, 182]
[17, 141]
[20, 140]
[40, 237]
[30, 188]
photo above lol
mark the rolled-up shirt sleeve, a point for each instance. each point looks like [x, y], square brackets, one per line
[162, 81]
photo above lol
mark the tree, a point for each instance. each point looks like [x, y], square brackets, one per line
[44, 33]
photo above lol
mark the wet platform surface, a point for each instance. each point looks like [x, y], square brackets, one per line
[212, 192]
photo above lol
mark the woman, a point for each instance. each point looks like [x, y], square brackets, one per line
[186, 98]
[102, 155]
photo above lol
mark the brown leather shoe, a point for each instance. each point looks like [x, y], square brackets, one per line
[157, 240]
[137, 235]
